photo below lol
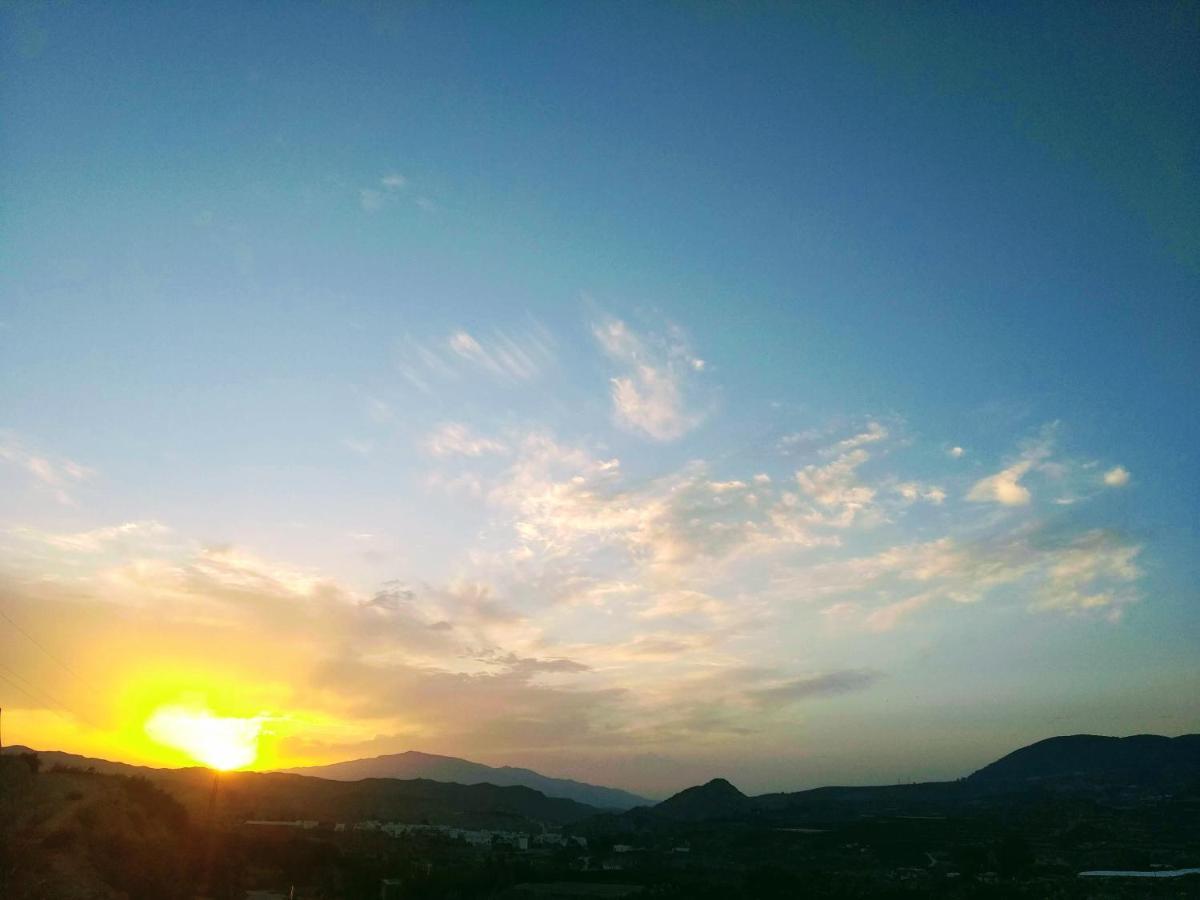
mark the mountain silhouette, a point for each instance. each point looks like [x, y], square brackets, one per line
[414, 764]
[718, 799]
[278, 795]
[1145, 759]
[1085, 765]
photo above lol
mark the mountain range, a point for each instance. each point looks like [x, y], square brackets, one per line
[403, 766]
[444, 788]
[1081, 765]
[461, 771]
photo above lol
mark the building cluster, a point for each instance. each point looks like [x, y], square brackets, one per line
[484, 837]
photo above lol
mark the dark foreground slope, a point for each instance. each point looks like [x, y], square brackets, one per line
[449, 768]
[80, 836]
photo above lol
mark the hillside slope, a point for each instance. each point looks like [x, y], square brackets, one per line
[80, 836]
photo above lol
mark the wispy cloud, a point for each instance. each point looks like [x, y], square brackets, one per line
[374, 198]
[827, 684]
[57, 474]
[456, 439]
[506, 356]
[129, 534]
[649, 396]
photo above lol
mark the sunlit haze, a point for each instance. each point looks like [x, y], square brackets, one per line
[637, 394]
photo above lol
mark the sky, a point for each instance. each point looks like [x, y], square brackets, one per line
[640, 393]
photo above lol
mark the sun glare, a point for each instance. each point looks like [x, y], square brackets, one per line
[215, 741]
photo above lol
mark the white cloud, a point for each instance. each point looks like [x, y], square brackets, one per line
[1117, 477]
[912, 491]
[394, 181]
[1005, 486]
[456, 439]
[873, 434]
[955, 452]
[649, 396]
[834, 487]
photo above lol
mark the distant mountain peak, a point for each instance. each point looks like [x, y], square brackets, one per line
[714, 789]
[714, 799]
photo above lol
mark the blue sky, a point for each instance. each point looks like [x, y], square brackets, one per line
[641, 392]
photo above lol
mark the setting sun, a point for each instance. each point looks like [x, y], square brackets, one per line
[215, 741]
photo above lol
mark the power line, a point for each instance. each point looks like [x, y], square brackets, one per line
[35, 699]
[43, 648]
[31, 689]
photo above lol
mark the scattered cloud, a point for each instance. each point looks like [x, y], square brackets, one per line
[1117, 477]
[956, 452]
[594, 606]
[912, 491]
[650, 395]
[841, 499]
[1078, 573]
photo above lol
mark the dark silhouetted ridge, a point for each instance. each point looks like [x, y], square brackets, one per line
[1146, 759]
[414, 764]
[718, 799]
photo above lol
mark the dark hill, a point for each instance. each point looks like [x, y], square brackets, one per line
[86, 836]
[1142, 759]
[1087, 767]
[275, 795]
[461, 771]
[718, 799]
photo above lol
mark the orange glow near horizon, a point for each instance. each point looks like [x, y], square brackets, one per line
[219, 742]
